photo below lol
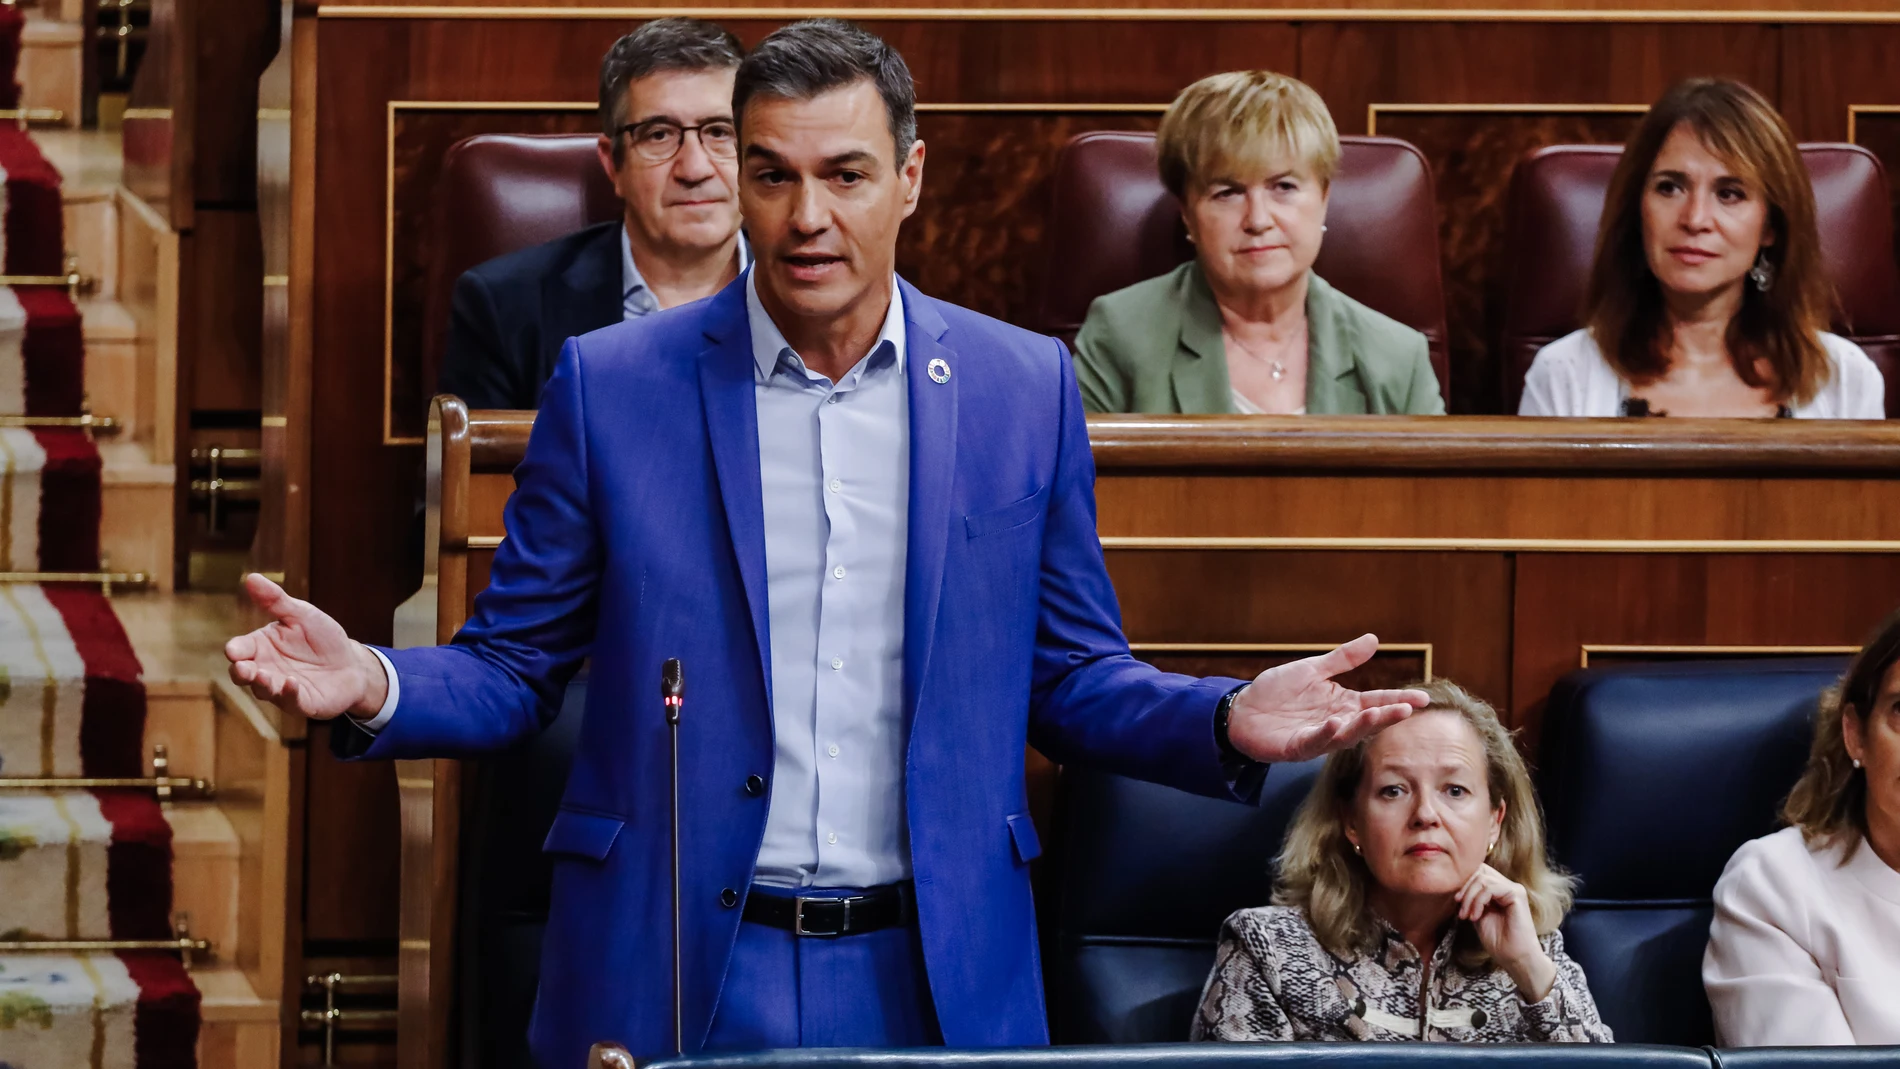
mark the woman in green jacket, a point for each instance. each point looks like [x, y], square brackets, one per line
[1246, 326]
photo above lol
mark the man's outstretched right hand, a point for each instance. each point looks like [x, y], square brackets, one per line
[302, 661]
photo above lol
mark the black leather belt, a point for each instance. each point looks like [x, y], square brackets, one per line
[889, 906]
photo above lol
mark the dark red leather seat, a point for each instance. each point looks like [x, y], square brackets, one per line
[1112, 224]
[498, 193]
[1556, 199]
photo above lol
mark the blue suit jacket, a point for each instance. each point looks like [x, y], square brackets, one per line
[637, 534]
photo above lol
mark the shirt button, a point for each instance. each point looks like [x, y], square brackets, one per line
[833, 399]
[728, 898]
[837, 485]
[832, 838]
[755, 785]
[833, 751]
[837, 663]
[838, 572]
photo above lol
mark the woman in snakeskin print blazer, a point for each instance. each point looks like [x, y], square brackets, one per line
[1414, 902]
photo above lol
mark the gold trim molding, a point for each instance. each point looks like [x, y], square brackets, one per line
[1855, 111]
[1373, 111]
[1716, 651]
[1102, 14]
[1278, 647]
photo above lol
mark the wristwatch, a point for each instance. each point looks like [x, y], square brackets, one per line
[1222, 713]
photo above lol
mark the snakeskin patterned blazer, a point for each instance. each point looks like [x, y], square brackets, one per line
[1272, 980]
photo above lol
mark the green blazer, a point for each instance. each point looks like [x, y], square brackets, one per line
[1156, 347]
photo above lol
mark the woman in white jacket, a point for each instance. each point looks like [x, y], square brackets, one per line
[1707, 296]
[1805, 948]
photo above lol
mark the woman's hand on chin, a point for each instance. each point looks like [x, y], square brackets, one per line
[1500, 910]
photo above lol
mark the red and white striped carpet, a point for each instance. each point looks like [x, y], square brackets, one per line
[74, 864]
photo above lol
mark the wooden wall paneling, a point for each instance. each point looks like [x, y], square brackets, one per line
[226, 333]
[1357, 66]
[1838, 85]
[235, 42]
[1564, 602]
[1458, 603]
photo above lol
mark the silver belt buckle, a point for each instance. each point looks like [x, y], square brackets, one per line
[798, 917]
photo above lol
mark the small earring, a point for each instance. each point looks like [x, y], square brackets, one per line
[1322, 228]
[1489, 849]
[1856, 762]
[1763, 273]
[1357, 850]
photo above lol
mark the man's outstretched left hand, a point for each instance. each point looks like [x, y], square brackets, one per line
[1295, 711]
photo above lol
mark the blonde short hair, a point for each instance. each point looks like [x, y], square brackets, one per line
[1244, 122]
[1320, 873]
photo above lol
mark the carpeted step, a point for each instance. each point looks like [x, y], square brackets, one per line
[102, 1011]
[71, 700]
[42, 350]
[84, 865]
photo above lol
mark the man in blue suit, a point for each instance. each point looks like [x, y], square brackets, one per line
[865, 520]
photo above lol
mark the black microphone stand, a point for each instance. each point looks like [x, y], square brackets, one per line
[673, 694]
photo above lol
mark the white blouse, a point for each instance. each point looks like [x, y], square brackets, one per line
[1571, 378]
[1805, 949]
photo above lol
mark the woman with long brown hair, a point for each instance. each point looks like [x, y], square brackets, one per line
[1805, 948]
[1707, 296]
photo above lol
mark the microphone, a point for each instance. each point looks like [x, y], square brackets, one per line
[673, 697]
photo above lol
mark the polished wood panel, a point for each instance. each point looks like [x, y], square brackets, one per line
[1565, 602]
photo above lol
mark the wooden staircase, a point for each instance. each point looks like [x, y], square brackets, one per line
[233, 865]
[130, 324]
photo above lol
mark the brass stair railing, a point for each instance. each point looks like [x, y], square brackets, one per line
[167, 787]
[182, 943]
[77, 285]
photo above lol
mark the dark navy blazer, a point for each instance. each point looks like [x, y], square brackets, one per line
[637, 534]
[509, 316]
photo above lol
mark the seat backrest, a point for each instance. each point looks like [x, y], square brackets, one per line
[1651, 777]
[1113, 224]
[498, 193]
[1556, 199]
[1144, 877]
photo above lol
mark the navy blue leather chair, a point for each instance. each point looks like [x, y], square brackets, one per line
[1808, 1058]
[1144, 876]
[1651, 776]
[1222, 1056]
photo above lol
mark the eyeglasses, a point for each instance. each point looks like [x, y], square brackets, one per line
[659, 140]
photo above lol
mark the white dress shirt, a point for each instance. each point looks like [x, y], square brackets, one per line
[1805, 947]
[1570, 377]
[834, 464]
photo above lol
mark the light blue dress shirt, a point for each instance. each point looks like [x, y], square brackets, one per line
[834, 465]
[636, 299]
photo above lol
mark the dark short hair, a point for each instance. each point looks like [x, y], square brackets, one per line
[805, 59]
[670, 44]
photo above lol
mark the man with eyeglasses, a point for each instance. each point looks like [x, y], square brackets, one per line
[667, 142]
